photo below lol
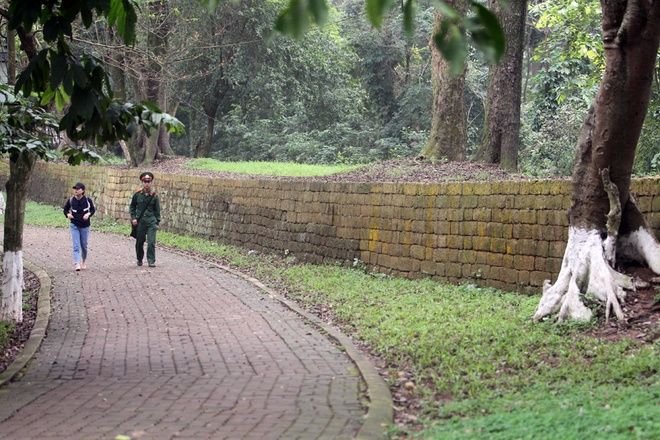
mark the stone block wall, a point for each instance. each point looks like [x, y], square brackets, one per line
[509, 235]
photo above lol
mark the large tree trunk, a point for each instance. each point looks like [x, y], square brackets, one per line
[11, 57]
[20, 170]
[448, 136]
[160, 23]
[204, 147]
[604, 222]
[164, 144]
[502, 131]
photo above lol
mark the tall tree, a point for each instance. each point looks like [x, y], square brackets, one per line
[502, 125]
[604, 221]
[448, 136]
[56, 75]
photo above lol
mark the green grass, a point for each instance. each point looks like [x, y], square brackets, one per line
[5, 329]
[269, 168]
[500, 375]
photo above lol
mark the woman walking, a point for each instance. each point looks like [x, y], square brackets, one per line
[79, 209]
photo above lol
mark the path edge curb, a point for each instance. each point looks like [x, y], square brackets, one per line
[380, 412]
[38, 331]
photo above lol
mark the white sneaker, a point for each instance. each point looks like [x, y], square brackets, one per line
[77, 267]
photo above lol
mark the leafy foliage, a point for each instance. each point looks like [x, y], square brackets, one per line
[26, 126]
[80, 83]
[570, 59]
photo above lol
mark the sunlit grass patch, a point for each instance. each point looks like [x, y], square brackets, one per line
[269, 168]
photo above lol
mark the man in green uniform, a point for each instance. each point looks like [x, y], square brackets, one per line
[145, 214]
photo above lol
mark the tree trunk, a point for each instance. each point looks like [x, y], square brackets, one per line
[157, 41]
[502, 131]
[11, 57]
[604, 222]
[211, 103]
[204, 147]
[448, 136]
[164, 145]
[20, 170]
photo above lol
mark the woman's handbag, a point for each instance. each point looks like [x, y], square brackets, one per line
[133, 231]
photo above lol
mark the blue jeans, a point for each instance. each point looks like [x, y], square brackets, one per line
[79, 238]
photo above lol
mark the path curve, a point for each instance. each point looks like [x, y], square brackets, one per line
[182, 350]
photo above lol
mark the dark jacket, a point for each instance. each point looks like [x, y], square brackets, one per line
[78, 208]
[141, 201]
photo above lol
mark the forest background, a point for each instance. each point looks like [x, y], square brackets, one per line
[346, 92]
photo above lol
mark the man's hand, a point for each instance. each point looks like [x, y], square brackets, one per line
[134, 221]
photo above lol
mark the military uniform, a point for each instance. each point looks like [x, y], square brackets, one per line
[146, 205]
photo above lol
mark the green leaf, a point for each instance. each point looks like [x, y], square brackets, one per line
[122, 15]
[409, 17]
[451, 42]
[294, 20]
[80, 76]
[51, 29]
[58, 69]
[486, 32]
[47, 96]
[376, 10]
[83, 103]
[61, 98]
[319, 10]
[446, 11]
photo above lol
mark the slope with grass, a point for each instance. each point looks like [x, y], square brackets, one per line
[475, 365]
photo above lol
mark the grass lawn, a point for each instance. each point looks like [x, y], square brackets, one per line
[269, 168]
[482, 368]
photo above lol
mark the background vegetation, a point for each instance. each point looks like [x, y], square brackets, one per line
[348, 93]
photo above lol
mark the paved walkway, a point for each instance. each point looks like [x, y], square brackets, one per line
[184, 350]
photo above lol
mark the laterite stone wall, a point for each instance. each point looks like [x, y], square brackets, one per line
[509, 235]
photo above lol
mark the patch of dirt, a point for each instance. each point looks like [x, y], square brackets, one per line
[641, 310]
[21, 331]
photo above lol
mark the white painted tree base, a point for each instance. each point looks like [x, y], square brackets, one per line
[11, 305]
[584, 272]
[642, 247]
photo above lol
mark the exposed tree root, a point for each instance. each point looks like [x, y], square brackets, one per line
[642, 247]
[585, 272]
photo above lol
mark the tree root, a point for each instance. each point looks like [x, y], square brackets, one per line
[585, 272]
[642, 247]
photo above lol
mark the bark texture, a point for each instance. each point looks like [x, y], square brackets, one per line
[502, 128]
[20, 170]
[448, 136]
[606, 145]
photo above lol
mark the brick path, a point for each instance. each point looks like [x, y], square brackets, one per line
[184, 350]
